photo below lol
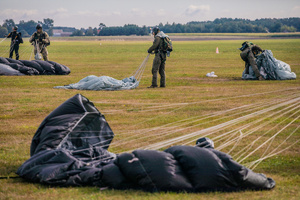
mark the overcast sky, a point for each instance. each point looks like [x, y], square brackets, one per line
[85, 13]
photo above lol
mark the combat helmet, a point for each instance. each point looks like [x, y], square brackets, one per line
[155, 30]
[205, 143]
[38, 26]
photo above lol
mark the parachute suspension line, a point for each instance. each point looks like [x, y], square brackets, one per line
[231, 131]
[176, 105]
[193, 117]
[31, 53]
[255, 163]
[229, 141]
[177, 128]
[185, 123]
[170, 132]
[118, 142]
[138, 69]
[65, 138]
[3, 40]
[9, 50]
[270, 138]
[166, 143]
[274, 154]
[244, 135]
[265, 123]
[139, 72]
[186, 104]
[249, 146]
[24, 50]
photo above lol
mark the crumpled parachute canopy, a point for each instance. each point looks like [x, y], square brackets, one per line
[270, 68]
[70, 148]
[93, 82]
[11, 67]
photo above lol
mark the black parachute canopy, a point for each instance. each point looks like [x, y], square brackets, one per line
[70, 148]
[11, 67]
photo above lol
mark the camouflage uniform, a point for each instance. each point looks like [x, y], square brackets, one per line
[158, 62]
[248, 56]
[42, 39]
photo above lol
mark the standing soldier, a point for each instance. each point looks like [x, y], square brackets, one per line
[16, 39]
[40, 40]
[249, 51]
[159, 59]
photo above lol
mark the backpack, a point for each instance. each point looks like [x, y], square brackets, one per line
[245, 45]
[167, 44]
[20, 37]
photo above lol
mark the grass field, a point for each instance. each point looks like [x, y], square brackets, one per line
[26, 100]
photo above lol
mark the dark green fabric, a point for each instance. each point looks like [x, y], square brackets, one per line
[157, 45]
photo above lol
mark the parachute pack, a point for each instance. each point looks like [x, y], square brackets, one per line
[167, 44]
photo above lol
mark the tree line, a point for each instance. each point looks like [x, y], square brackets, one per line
[26, 28]
[219, 25]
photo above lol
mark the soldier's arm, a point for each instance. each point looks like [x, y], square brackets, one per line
[31, 39]
[155, 44]
[9, 35]
[47, 39]
[256, 48]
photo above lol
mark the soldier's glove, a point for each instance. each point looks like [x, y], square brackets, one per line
[149, 51]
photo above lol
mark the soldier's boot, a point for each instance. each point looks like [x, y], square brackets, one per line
[261, 78]
[154, 81]
[152, 86]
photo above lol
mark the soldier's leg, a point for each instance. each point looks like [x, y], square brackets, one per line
[45, 54]
[251, 60]
[155, 67]
[17, 52]
[162, 72]
[11, 51]
[246, 68]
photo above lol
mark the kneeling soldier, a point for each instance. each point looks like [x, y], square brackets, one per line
[249, 51]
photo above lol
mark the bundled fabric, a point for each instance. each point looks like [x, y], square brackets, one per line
[70, 148]
[93, 82]
[270, 68]
[69, 145]
[7, 70]
[34, 67]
